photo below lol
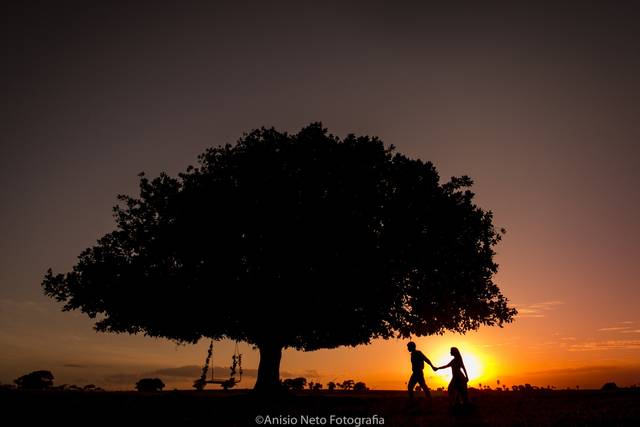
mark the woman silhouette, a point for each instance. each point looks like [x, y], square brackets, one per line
[459, 379]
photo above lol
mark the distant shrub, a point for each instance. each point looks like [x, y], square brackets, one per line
[610, 386]
[347, 385]
[92, 387]
[36, 380]
[295, 383]
[360, 386]
[150, 384]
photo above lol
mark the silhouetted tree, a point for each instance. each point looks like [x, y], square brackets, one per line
[346, 385]
[150, 384]
[317, 386]
[370, 233]
[36, 380]
[609, 386]
[92, 387]
[295, 383]
[360, 386]
[331, 386]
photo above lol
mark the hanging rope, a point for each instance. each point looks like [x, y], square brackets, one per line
[202, 381]
[236, 368]
[236, 364]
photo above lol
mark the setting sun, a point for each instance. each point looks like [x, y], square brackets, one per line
[477, 364]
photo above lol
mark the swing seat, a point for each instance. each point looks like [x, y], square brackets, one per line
[236, 366]
[229, 381]
[224, 383]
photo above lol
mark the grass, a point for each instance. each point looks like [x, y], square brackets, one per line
[240, 408]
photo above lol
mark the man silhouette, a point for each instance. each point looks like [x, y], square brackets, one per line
[417, 365]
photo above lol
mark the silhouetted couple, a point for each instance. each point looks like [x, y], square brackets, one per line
[459, 377]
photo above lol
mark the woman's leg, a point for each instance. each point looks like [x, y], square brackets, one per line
[453, 394]
[464, 394]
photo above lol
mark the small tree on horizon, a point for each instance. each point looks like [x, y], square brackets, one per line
[262, 235]
[150, 385]
[36, 380]
[346, 384]
[296, 384]
[360, 386]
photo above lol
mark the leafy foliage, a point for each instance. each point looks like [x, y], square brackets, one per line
[296, 384]
[347, 385]
[360, 386]
[36, 380]
[261, 236]
[150, 384]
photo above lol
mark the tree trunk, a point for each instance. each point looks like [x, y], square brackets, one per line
[269, 368]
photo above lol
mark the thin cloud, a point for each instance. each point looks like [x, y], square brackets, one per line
[190, 371]
[579, 370]
[10, 306]
[589, 374]
[605, 345]
[174, 373]
[194, 371]
[625, 328]
[309, 373]
[537, 310]
[119, 379]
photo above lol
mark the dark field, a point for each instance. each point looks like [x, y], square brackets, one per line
[240, 408]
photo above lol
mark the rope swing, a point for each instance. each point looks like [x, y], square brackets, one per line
[234, 370]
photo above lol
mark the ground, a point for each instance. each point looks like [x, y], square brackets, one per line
[243, 408]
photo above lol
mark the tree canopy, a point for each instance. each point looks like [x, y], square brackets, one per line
[36, 380]
[150, 384]
[298, 240]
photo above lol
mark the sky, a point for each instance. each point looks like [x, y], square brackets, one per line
[539, 104]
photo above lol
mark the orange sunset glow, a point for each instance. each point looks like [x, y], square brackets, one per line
[540, 109]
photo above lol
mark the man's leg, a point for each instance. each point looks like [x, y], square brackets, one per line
[412, 384]
[424, 387]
